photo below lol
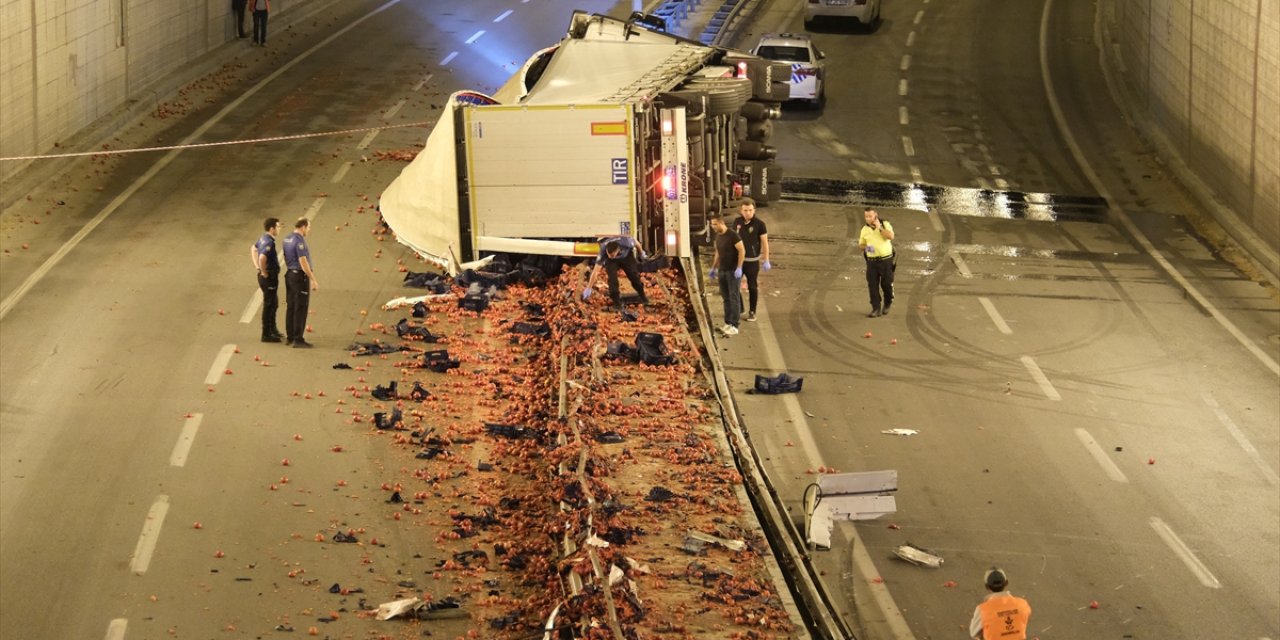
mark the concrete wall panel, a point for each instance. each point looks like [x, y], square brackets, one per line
[66, 64]
[1203, 80]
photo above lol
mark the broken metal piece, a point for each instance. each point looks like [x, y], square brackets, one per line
[900, 432]
[396, 608]
[917, 556]
[732, 545]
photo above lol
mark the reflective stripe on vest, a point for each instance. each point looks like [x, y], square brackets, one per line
[1005, 618]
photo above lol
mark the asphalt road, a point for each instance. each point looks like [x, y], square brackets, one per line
[1085, 422]
[137, 400]
[121, 428]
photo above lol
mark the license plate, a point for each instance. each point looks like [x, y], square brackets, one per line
[837, 3]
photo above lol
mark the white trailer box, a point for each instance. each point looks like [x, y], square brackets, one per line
[550, 172]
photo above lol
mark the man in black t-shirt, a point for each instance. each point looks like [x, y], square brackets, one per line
[726, 270]
[755, 241]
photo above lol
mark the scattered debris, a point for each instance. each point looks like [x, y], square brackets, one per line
[900, 432]
[781, 383]
[917, 556]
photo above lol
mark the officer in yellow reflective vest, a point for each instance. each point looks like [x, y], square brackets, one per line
[1001, 615]
[876, 241]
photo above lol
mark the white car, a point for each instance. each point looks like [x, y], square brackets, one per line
[866, 12]
[808, 80]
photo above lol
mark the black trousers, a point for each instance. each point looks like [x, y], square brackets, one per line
[237, 10]
[297, 290]
[259, 27]
[880, 279]
[270, 285]
[630, 266]
[751, 271]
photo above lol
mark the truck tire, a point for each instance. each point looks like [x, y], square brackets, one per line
[759, 130]
[755, 150]
[760, 111]
[724, 95]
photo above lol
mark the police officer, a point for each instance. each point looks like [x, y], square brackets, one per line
[299, 282]
[755, 240]
[267, 265]
[1001, 615]
[620, 252]
[876, 241]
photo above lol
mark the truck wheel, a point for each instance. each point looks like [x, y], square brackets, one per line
[755, 150]
[759, 130]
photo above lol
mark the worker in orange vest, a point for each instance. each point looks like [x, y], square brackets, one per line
[1001, 615]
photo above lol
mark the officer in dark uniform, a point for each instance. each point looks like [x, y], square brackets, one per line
[267, 265]
[299, 282]
[755, 240]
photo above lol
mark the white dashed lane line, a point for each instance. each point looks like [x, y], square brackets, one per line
[422, 83]
[475, 36]
[903, 117]
[1185, 554]
[313, 211]
[185, 439]
[906, 63]
[150, 535]
[919, 17]
[449, 58]
[220, 364]
[1040, 378]
[368, 138]
[996, 318]
[902, 87]
[960, 264]
[340, 173]
[504, 15]
[911, 38]
[1100, 456]
[251, 309]
[934, 218]
[394, 109]
[1240, 439]
[907, 147]
[115, 630]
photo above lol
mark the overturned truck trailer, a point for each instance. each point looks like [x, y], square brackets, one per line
[619, 129]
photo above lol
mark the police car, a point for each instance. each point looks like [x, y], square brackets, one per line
[807, 76]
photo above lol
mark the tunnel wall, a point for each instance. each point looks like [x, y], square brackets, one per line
[1202, 80]
[67, 64]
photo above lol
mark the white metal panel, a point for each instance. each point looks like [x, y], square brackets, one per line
[551, 172]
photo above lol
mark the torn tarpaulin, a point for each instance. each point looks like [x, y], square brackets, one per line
[781, 383]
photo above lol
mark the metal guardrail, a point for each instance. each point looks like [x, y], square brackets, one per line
[822, 615]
